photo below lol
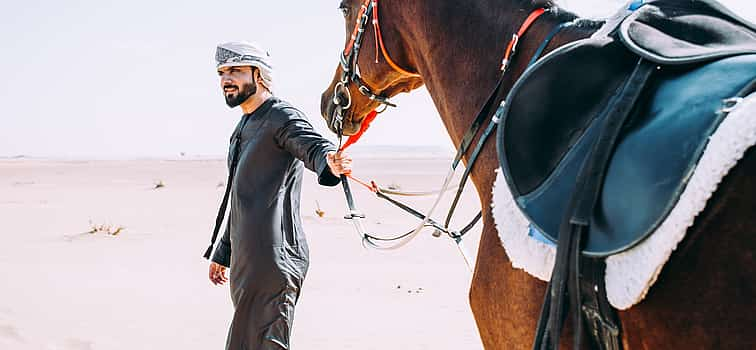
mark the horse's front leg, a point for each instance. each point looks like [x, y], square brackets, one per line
[505, 301]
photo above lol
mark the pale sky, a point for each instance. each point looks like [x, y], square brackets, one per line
[122, 79]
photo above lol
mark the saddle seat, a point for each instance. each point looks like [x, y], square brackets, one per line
[685, 31]
[553, 114]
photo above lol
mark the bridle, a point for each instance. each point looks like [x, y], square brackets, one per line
[342, 98]
[350, 69]
[350, 74]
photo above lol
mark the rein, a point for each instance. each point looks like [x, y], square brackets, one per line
[350, 73]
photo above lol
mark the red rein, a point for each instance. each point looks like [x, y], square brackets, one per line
[365, 124]
[352, 139]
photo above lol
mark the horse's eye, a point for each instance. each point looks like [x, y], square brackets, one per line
[344, 11]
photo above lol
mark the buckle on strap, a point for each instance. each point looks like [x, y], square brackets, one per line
[375, 97]
[603, 331]
[730, 104]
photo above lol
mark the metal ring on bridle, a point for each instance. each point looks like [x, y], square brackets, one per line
[373, 96]
[341, 86]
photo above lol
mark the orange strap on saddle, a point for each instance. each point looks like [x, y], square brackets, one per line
[512, 47]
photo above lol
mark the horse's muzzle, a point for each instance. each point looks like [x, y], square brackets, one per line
[327, 109]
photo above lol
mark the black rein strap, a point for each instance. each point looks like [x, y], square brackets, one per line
[236, 149]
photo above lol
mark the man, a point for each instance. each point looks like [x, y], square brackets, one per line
[264, 244]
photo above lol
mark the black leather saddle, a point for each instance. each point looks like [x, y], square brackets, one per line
[554, 114]
[599, 138]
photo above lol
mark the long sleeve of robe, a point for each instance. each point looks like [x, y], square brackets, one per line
[264, 243]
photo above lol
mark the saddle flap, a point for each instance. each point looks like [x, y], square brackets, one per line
[554, 102]
[686, 31]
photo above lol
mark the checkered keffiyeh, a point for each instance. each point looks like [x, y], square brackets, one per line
[234, 54]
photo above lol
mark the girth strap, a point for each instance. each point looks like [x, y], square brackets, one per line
[587, 293]
[600, 317]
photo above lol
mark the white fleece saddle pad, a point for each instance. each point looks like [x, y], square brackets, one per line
[630, 274]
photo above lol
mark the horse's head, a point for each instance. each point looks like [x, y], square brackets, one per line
[366, 76]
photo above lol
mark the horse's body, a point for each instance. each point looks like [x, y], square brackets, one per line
[705, 295]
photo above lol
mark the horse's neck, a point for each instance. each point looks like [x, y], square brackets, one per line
[457, 47]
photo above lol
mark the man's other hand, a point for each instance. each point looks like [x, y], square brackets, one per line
[218, 274]
[339, 163]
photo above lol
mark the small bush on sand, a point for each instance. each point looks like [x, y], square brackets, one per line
[108, 229]
[319, 211]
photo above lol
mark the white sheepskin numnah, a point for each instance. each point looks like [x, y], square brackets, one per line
[630, 274]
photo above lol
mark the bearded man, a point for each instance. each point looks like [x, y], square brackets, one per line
[264, 245]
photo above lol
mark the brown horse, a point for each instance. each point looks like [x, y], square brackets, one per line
[704, 297]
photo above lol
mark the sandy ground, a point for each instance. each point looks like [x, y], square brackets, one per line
[147, 288]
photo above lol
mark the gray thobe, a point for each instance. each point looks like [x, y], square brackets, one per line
[264, 244]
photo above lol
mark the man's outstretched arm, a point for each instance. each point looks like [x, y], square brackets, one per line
[300, 139]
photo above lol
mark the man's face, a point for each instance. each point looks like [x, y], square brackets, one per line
[238, 84]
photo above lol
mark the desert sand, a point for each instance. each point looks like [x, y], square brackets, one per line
[146, 287]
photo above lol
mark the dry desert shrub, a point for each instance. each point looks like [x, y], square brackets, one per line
[319, 211]
[108, 229]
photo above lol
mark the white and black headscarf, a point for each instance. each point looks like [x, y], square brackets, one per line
[240, 53]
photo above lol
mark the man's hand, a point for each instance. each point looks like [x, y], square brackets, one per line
[218, 274]
[339, 163]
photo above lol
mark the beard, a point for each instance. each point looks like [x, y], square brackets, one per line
[247, 90]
